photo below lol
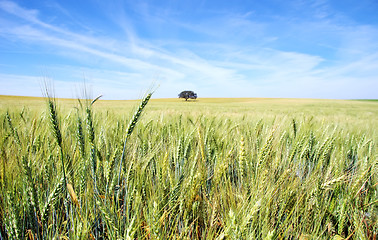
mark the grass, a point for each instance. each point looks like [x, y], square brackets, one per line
[205, 169]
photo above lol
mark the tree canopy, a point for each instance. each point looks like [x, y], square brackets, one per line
[188, 95]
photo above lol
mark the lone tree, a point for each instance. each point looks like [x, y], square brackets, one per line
[188, 95]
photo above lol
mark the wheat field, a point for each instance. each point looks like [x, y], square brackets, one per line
[205, 169]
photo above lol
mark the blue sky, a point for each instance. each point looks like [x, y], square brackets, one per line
[217, 48]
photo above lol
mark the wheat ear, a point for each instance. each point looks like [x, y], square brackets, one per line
[130, 129]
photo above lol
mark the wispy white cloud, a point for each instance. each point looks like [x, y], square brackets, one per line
[13, 8]
[75, 42]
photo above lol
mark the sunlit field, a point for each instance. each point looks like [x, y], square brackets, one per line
[206, 169]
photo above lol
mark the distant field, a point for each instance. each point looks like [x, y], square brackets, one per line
[214, 168]
[362, 115]
[369, 100]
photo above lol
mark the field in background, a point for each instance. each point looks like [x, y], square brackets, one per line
[206, 169]
[358, 115]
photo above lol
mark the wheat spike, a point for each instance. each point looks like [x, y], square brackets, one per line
[73, 195]
[51, 200]
[13, 129]
[130, 129]
[242, 157]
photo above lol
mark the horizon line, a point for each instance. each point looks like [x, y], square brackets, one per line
[162, 98]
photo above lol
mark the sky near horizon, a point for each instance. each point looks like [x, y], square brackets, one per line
[217, 48]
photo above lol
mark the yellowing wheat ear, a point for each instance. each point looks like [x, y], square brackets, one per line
[72, 194]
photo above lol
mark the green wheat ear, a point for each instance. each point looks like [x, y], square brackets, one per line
[130, 129]
[52, 199]
[54, 123]
[13, 129]
[242, 157]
